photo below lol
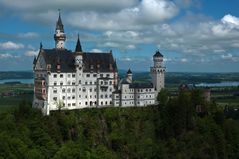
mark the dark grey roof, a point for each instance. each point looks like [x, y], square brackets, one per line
[59, 24]
[59, 56]
[78, 45]
[158, 54]
[129, 72]
[141, 85]
[103, 62]
[92, 62]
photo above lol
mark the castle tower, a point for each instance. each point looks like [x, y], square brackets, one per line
[129, 77]
[157, 72]
[59, 35]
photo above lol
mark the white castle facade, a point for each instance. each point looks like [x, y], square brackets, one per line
[73, 80]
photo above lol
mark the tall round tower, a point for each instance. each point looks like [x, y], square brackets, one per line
[157, 72]
[59, 35]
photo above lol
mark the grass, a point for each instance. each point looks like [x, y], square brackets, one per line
[15, 88]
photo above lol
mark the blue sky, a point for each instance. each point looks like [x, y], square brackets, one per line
[193, 35]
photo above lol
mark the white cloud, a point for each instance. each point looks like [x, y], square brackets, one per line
[145, 13]
[27, 35]
[44, 5]
[131, 46]
[32, 53]
[11, 45]
[230, 20]
[6, 56]
[96, 50]
[184, 60]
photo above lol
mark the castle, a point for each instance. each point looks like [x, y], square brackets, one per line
[73, 80]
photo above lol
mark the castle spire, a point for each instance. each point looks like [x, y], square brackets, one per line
[59, 24]
[78, 45]
[59, 36]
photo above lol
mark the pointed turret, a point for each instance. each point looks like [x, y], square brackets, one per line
[59, 36]
[59, 25]
[78, 45]
[129, 76]
[129, 72]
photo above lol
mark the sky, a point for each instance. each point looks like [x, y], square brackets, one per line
[193, 35]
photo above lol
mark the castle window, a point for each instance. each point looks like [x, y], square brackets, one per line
[68, 90]
[69, 75]
[86, 103]
[90, 83]
[106, 103]
[55, 75]
[110, 82]
[79, 96]
[63, 90]
[73, 90]
[101, 103]
[79, 81]
[79, 103]
[90, 89]
[55, 83]
[101, 82]
[73, 104]
[73, 75]
[87, 75]
[79, 89]
[68, 97]
[84, 89]
[86, 83]
[101, 75]
[106, 96]
[69, 104]
[55, 98]
[55, 91]
[61, 75]
[94, 75]
[106, 82]
[73, 97]
[85, 96]
[107, 75]
[61, 83]
[68, 82]
[63, 97]
[101, 96]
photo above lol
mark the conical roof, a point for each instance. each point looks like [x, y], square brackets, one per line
[78, 45]
[129, 72]
[59, 24]
[158, 54]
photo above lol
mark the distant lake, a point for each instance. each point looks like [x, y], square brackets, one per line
[221, 84]
[24, 81]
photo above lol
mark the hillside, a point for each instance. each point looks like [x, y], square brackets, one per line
[171, 130]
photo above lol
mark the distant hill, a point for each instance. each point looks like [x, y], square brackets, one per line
[16, 75]
[170, 77]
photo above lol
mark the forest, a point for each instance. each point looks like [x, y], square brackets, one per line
[172, 129]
